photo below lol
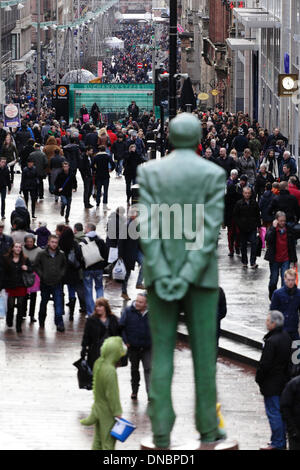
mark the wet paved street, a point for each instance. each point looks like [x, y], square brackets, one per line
[41, 404]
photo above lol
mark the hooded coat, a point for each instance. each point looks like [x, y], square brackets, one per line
[20, 212]
[106, 394]
[49, 149]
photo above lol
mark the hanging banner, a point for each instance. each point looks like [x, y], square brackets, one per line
[12, 115]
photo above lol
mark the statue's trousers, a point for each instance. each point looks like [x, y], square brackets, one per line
[199, 306]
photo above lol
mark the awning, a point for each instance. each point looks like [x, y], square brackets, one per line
[256, 18]
[236, 44]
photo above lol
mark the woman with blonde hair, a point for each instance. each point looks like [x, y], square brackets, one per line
[99, 326]
[103, 139]
[234, 155]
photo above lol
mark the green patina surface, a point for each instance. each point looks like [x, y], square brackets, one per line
[179, 279]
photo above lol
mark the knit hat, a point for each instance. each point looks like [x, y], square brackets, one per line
[20, 203]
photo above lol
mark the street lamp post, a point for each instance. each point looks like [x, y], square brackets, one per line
[56, 45]
[0, 42]
[173, 59]
[38, 62]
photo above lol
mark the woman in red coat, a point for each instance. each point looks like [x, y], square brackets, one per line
[15, 264]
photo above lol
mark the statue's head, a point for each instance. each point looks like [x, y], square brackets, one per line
[185, 131]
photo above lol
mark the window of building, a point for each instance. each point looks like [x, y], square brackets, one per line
[277, 49]
[14, 47]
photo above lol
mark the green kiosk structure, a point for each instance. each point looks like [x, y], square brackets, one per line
[113, 99]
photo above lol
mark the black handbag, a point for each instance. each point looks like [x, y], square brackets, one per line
[258, 246]
[84, 374]
[28, 279]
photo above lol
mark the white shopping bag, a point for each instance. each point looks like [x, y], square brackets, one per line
[3, 303]
[113, 255]
[119, 271]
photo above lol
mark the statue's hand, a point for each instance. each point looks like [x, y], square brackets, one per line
[170, 289]
[180, 287]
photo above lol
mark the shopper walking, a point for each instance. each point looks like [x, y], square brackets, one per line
[100, 325]
[136, 335]
[15, 264]
[272, 376]
[51, 267]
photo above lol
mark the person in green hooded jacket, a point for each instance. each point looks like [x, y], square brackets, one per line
[107, 404]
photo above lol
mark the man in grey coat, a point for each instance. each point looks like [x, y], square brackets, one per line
[41, 165]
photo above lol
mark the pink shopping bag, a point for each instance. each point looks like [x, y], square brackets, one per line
[262, 234]
[36, 285]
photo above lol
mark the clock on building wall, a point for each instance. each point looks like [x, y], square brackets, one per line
[287, 84]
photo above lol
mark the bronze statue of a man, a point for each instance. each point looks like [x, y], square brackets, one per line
[181, 271]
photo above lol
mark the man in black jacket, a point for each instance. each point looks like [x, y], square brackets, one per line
[273, 138]
[41, 164]
[103, 166]
[22, 136]
[29, 184]
[119, 149]
[87, 175]
[72, 155]
[247, 217]
[231, 198]
[226, 162]
[286, 203]
[51, 265]
[130, 252]
[281, 250]
[4, 183]
[65, 183]
[272, 375]
[136, 335]
[133, 110]
[290, 411]
[91, 139]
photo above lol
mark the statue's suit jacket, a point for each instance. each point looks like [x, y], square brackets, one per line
[181, 178]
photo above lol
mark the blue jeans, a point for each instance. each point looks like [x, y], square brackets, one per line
[119, 167]
[88, 278]
[99, 184]
[272, 406]
[275, 268]
[66, 201]
[57, 293]
[248, 237]
[76, 289]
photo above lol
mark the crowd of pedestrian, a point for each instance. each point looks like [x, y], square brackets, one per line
[262, 209]
[122, 67]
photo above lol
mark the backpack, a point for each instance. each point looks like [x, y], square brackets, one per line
[90, 252]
